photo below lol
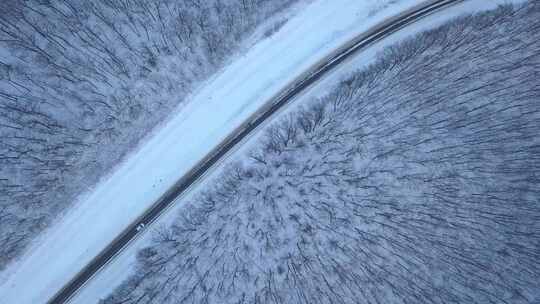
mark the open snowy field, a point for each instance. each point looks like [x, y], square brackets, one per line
[216, 109]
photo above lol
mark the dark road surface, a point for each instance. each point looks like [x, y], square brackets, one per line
[305, 80]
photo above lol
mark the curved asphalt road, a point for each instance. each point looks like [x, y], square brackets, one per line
[364, 40]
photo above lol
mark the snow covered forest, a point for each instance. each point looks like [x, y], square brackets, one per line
[415, 180]
[81, 82]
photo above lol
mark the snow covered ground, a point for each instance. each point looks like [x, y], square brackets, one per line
[216, 109]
